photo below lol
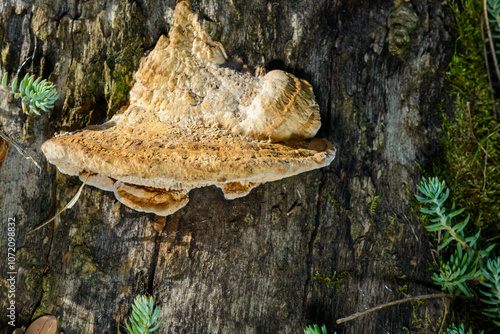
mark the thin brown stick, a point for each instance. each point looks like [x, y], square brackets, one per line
[396, 302]
[490, 83]
[485, 164]
[492, 46]
[67, 206]
[477, 141]
[434, 252]
[445, 313]
[491, 239]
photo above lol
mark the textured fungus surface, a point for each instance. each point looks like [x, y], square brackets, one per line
[192, 122]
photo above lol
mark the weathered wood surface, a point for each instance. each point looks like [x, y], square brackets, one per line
[247, 265]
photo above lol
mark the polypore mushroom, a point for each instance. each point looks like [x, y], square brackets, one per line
[194, 122]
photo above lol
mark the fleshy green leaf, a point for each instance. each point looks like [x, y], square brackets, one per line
[14, 85]
[144, 315]
[22, 86]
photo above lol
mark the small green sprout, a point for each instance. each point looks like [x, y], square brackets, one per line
[314, 329]
[459, 330]
[35, 94]
[467, 263]
[144, 315]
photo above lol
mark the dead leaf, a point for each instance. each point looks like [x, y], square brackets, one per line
[159, 223]
[4, 149]
[43, 325]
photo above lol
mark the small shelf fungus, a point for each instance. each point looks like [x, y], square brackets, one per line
[193, 122]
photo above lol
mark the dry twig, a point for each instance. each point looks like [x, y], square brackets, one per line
[490, 83]
[68, 206]
[477, 141]
[445, 313]
[485, 164]
[492, 46]
[396, 302]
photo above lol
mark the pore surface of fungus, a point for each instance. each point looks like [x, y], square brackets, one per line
[192, 122]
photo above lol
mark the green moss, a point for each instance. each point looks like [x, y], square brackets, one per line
[47, 283]
[422, 321]
[403, 22]
[122, 62]
[123, 56]
[83, 262]
[34, 272]
[335, 281]
[84, 88]
[473, 180]
[5, 54]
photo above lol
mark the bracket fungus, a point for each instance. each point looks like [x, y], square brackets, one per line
[193, 122]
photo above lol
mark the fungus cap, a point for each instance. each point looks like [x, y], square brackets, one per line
[194, 122]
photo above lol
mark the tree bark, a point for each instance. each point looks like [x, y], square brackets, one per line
[246, 265]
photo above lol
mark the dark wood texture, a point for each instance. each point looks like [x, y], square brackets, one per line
[247, 265]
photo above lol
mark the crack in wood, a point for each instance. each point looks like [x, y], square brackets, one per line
[309, 257]
[38, 302]
[158, 220]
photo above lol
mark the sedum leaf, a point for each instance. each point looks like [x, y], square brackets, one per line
[14, 85]
[143, 317]
[4, 80]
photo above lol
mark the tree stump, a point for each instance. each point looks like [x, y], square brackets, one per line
[257, 264]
